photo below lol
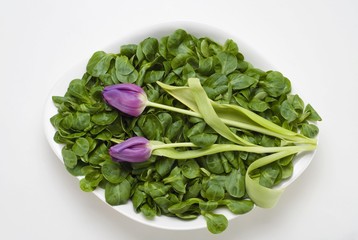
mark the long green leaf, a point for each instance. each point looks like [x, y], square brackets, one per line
[208, 113]
[231, 115]
[262, 196]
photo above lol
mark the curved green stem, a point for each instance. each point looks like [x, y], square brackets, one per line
[159, 145]
[174, 109]
[168, 150]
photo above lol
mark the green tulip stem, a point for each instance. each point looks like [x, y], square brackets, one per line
[169, 149]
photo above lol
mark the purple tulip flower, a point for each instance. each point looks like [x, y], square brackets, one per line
[126, 97]
[135, 149]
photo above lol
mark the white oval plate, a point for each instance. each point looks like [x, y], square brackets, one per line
[199, 30]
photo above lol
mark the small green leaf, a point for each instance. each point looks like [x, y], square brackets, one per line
[194, 188]
[123, 66]
[216, 223]
[238, 206]
[309, 130]
[151, 126]
[69, 158]
[204, 139]
[213, 164]
[270, 176]
[206, 66]
[176, 180]
[196, 129]
[117, 194]
[276, 84]
[164, 166]
[99, 155]
[190, 168]
[77, 170]
[288, 112]
[174, 40]
[235, 184]
[81, 147]
[156, 189]
[214, 192]
[99, 63]
[113, 172]
[86, 185]
[104, 118]
[313, 115]
[78, 90]
[150, 48]
[296, 102]
[81, 121]
[258, 105]
[240, 81]
[175, 129]
[184, 206]
[153, 76]
[94, 178]
[208, 205]
[231, 47]
[128, 50]
[228, 62]
[166, 120]
[148, 211]
[138, 198]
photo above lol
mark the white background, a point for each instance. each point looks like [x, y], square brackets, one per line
[314, 43]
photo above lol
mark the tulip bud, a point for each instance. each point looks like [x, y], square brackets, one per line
[135, 149]
[126, 97]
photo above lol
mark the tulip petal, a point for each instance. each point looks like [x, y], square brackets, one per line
[135, 149]
[127, 97]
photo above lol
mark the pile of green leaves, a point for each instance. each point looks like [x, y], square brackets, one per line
[189, 188]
